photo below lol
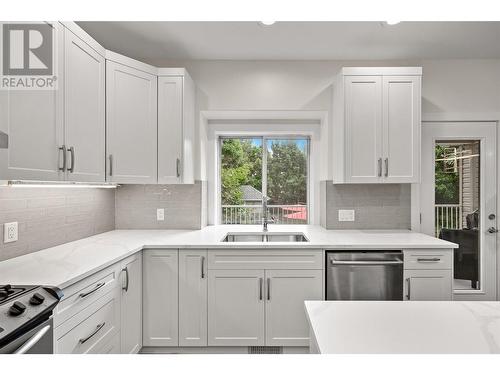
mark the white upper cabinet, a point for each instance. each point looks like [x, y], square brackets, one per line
[84, 115]
[131, 104]
[176, 106]
[376, 125]
[32, 128]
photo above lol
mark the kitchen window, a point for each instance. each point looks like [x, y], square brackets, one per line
[252, 169]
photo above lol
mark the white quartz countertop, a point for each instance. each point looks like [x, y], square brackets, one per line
[65, 264]
[411, 327]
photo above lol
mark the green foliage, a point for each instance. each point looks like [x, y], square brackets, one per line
[241, 164]
[446, 181]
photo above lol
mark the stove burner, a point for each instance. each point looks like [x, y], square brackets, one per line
[7, 291]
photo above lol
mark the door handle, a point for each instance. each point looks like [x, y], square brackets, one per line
[63, 149]
[386, 167]
[268, 289]
[178, 167]
[111, 165]
[125, 288]
[261, 281]
[33, 340]
[408, 295]
[379, 167]
[202, 267]
[72, 153]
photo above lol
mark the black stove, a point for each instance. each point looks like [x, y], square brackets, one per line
[22, 309]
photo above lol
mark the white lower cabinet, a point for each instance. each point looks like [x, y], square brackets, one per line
[131, 304]
[428, 285]
[193, 284]
[236, 307]
[286, 291]
[160, 298]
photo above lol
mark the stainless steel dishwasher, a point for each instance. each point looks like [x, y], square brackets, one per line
[364, 275]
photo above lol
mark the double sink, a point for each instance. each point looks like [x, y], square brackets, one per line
[265, 237]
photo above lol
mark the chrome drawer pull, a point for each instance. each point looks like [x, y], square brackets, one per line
[72, 153]
[408, 290]
[97, 329]
[202, 267]
[63, 149]
[366, 262]
[268, 289]
[428, 259]
[97, 287]
[125, 288]
[260, 288]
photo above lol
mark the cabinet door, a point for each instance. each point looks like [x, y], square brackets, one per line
[131, 305]
[31, 126]
[192, 298]
[131, 124]
[363, 117]
[160, 298]
[235, 307]
[170, 134]
[286, 291]
[401, 128]
[84, 110]
[428, 285]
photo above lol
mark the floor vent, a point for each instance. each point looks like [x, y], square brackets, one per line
[265, 350]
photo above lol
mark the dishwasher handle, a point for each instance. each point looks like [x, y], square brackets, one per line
[365, 262]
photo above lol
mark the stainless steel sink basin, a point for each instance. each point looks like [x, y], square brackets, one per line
[265, 237]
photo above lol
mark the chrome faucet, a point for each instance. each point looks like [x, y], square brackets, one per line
[265, 219]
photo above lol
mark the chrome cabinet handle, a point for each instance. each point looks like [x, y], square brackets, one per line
[72, 153]
[33, 340]
[261, 280]
[125, 288]
[97, 329]
[380, 167]
[202, 267]
[178, 167]
[386, 167]
[110, 165]
[428, 259]
[268, 289]
[96, 288]
[365, 262]
[63, 149]
[408, 290]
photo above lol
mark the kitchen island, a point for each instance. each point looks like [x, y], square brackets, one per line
[403, 327]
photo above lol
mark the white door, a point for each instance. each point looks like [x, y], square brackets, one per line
[160, 298]
[458, 200]
[401, 129]
[131, 305]
[363, 110]
[84, 110]
[286, 291]
[427, 285]
[193, 284]
[170, 123]
[235, 307]
[131, 102]
[31, 127]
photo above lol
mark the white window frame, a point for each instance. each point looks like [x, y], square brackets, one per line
[273, 124]
[264, 138]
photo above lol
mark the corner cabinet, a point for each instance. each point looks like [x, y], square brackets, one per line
[176, 109]
[131, 112]
[376, 125]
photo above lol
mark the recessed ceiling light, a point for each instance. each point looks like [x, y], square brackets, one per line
[267, 23]
[392, 22]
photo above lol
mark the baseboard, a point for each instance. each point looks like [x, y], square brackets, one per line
[214, 350]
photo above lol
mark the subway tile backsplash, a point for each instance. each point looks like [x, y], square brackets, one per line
[136, 206]
[52, 216]
[377, 206]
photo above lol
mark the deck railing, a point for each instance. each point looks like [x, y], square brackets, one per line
[252, 214]
[447, 216]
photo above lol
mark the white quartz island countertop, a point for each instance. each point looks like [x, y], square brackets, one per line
[404, 327]
[65, 264]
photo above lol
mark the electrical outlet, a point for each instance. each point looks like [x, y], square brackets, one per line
[346, 215]
[10, 232]
[160, 214]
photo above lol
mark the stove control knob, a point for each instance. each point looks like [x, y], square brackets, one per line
[37, 299]
[7, 287]
[17, 308]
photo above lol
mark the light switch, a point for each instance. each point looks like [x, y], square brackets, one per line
[160, 214]
[346, 215]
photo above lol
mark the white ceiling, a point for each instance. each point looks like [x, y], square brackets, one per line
[156, 41]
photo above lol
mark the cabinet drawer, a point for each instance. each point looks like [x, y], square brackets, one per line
[90, 329]
[428, 259]
[110, 347]
[265, 259]
[85, 292]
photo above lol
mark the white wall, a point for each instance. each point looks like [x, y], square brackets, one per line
[450, 87]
